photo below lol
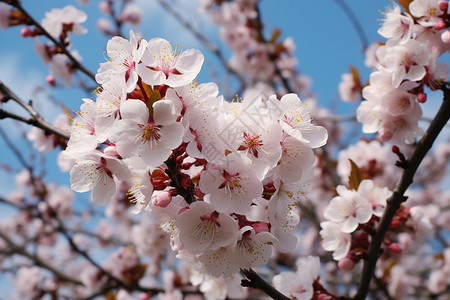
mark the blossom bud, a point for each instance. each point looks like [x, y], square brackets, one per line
[440, 25]
[25, 32]
[395, 248]
[260, 227]
[50, 80]
[443, 5]
[395, 224]
[346, 264]
[445, 36]
[386, 134]
[105, 7]
[422, 97]
[162, 199]
[111, 150]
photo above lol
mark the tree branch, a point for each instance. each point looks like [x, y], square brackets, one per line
[21, 250]
[255, 281]
[35, 120]
[58, 44]
[397, 198]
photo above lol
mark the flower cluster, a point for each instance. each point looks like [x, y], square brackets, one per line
[406, 65]
[223, 177]
[344, 215]
[254, 56]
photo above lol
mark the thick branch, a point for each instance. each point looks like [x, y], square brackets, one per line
[21, 250]
[35, 120]
[397, 198]
[256, 282]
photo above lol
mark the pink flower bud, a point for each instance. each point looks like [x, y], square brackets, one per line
[445, 37]
[395, 224]
[260, 227]
[105, 7]
[443, 5]
[111, 150]
[346, 264]
[162, 199]
[25, 32]
[395, 248]
[422, 97]
[440, 25]
[385, 134]
[50, 80]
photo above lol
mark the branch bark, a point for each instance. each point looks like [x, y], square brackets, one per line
[397, 198]
[255, 281]
[35, 120]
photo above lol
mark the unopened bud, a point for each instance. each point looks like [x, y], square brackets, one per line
[395, 224]
[440, 25]
[445, 37]
[346, 264]
[443, 5]
[385, 134]
[50, 80]
[162, 199]
[111, 150]
[25, 32]
[395, 248]
[260, 227]
[422, 97]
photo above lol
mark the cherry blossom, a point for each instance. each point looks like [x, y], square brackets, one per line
[96, 172]
[162, 65]
[124, 57]
[295, 120]
[202, 228]
[152, 139]
[61, 21]
[348, 209]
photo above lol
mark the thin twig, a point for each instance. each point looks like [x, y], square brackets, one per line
[255, 281]
[21, 250]
[35, 120]
[397, 198]
[76, 63]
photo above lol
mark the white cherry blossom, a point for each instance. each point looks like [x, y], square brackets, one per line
[163, 65]
[124, 57]
[202, 228]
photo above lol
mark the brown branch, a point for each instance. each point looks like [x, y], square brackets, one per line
[35, 120]
[77, 64]
[39, 262]
[397, 198]
[255, 281]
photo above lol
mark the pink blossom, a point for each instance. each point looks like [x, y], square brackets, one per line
[348, 209]
[124, 58]
[202, 228]
[162, 65]
[61, 21]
